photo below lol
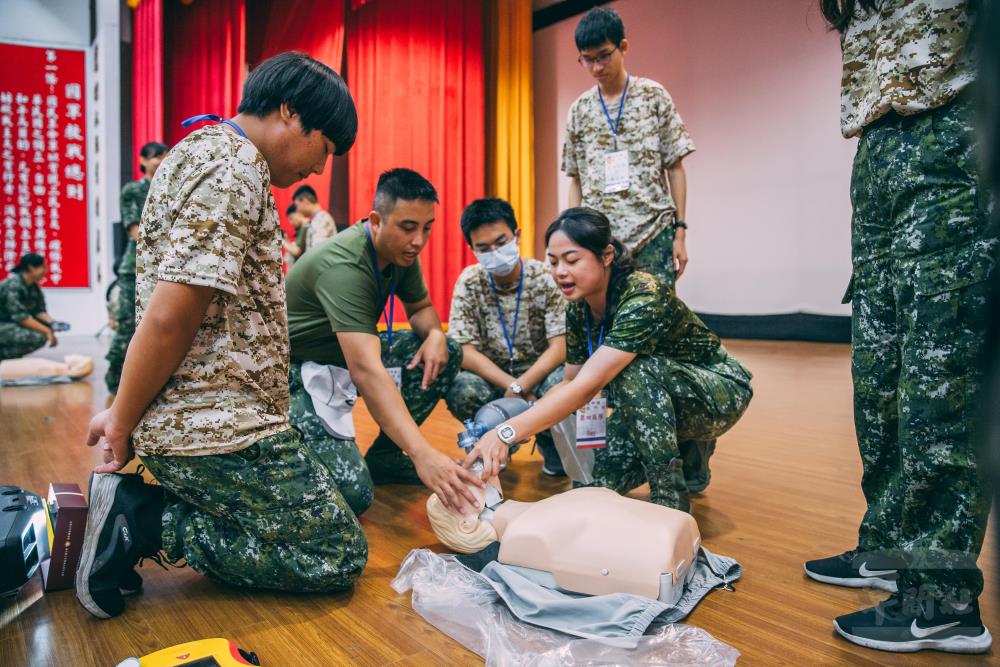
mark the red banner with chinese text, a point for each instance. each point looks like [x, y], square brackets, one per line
[43, 161]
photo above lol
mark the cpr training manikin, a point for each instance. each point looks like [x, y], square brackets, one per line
[588, 540]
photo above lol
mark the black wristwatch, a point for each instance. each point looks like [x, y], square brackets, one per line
[680, 224]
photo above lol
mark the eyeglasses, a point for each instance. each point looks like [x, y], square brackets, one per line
[600, 59]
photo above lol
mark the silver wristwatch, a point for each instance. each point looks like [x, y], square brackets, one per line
[516, 388]
[506, 433]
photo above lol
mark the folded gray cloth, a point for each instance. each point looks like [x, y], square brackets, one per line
[531, 597]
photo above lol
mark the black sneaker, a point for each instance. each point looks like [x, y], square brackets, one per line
[123, 525]
[697, 474]
[856, 569]
[130, 583]
[389, 465]
[898, 626]
[551, 462]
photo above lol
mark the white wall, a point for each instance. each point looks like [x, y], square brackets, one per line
[46, 22]
[757, 84]
[66, 23]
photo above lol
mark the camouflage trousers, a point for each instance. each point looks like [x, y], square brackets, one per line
[921, 245]
[341, 457]
[124, 332]
[17, 341]
[657, 256]
[267, 516]
[661, 408]
[470, 392]
[420, 402]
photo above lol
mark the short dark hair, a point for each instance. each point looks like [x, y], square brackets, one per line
[401, 183]
[291, 209]
[484, 212]
[306, 191]
[28, 259]
[311, 89]
[152, 149]
[598, 26]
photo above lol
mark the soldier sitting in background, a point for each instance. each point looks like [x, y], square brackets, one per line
[24, 324]
[509, 318]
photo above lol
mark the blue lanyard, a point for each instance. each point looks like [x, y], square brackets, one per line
[378, 280]
[600, 336]
[517, 311]
[212, 117]
[621, 105]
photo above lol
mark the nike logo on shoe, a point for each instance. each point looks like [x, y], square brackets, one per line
[921, 633]
[865, 572]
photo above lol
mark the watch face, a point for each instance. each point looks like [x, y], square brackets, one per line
[506, 433]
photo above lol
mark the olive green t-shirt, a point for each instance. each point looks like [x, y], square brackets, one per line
[650, 321]
[333, 289]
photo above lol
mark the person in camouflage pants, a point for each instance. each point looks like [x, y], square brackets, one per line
[634, 117]
[133, 199]
[922, 257]
[24, 324]
[125, 317]
[278, 522]
[341, 456]
[671, 386]
[204, 397]
[665, 418]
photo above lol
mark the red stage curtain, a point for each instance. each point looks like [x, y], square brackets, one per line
[416, 72]
[204, 50]
[314, 27]
[147, 77]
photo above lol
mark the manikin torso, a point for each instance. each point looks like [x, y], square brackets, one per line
[591, 540]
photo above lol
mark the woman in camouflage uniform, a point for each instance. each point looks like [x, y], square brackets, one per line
[24, 324]
[671, 386]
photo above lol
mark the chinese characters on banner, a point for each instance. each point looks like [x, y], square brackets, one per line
[43, 161]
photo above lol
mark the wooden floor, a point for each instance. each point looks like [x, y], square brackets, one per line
[785, 488]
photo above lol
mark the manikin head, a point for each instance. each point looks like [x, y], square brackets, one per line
[490, 229]
[600, 39]
[402, 216]
[464, 533]
[304, 113]
[31, 267]
[150, 157]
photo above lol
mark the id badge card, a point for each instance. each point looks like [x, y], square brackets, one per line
[592, 424]
[396, 373]
[616, 171]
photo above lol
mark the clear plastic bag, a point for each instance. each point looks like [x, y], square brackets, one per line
[460, 604]
[578, 463]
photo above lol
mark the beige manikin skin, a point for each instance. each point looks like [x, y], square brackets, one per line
[75, 366]
[591, 540]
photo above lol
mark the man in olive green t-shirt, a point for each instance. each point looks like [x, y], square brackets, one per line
[336, 294]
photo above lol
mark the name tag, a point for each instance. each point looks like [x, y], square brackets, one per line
[591, 424]
[396, 373]
[616, 171]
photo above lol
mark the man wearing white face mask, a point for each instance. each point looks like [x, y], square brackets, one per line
[509, 318]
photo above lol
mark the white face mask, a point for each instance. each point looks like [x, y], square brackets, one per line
[501, 262]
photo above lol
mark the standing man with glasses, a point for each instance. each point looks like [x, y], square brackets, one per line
[625, 143]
